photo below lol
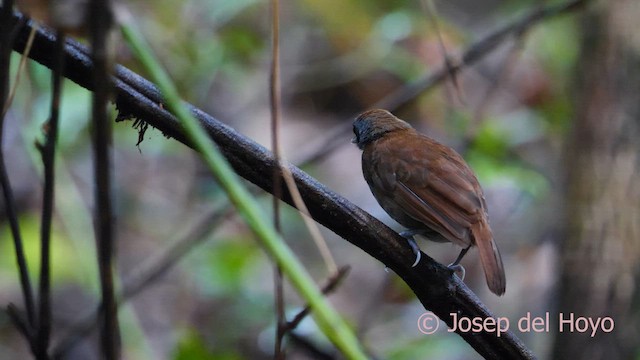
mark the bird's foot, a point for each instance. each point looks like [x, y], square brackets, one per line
[456, 267]
[408, 234]
[458, 270]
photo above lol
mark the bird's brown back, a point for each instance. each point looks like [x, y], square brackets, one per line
[431, 184]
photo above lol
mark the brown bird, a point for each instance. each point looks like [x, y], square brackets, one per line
[427, 187]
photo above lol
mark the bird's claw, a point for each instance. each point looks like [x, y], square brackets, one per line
[414, 246]
[458, 270]
[418, 256]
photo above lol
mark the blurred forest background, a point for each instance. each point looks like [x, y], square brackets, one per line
[549, 121]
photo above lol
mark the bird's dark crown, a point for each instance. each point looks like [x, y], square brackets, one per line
[373, 124]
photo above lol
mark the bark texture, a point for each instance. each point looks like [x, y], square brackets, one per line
[601, 253]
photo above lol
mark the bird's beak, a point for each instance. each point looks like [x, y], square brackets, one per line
[354, 140]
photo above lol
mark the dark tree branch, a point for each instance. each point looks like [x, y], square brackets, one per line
[100, 22]
[19, 323]
[9, 28]
[435, 286]
[48, 151]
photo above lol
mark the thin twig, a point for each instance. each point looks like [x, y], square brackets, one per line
[21, 65]
[6, 43]
[430, 11]
[100, 21]
[147, 273]
[288, 328]
[48, 151]
[505, 69]
[19, 323]
[312, 226]
[332, 283]
[275, 103]
[284, 172]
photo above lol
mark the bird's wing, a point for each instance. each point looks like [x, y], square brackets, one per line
[442, 196]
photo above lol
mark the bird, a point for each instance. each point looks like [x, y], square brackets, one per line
[427, 187]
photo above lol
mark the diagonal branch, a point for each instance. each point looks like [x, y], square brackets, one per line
[433, 284]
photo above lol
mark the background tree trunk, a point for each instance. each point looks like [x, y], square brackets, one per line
[601, 253]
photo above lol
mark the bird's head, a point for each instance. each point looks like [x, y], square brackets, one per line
[373, 124]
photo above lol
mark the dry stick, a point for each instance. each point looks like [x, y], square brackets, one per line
[470, 56]
[275, 97]
[311, 225]
[275, 91]
[21, 65]
[430, 11]
[48, 151]
[274, 102]
[7, 36]
[100, 21]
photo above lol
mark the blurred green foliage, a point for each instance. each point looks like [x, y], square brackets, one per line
[192, 346]
[63, 271]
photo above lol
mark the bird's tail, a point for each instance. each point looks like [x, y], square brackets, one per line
[490, 258]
